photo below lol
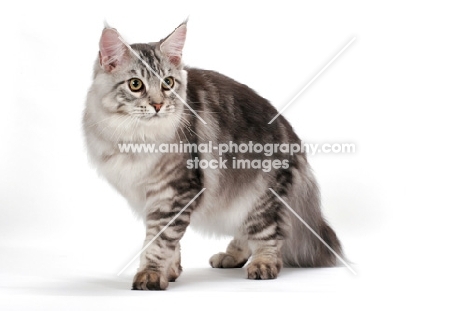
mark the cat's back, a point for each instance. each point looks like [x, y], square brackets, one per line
[199, 79]
[214, 84]
[242, 112]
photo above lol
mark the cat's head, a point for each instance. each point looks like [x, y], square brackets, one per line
[139, 89]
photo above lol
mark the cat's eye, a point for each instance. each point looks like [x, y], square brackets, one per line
[167, 83]
[135, 85]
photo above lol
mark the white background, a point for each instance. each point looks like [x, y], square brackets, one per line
[398, 204]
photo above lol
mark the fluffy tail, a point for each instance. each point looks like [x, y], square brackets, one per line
[303, 248]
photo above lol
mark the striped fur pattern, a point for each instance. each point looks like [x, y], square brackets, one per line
[236, 202]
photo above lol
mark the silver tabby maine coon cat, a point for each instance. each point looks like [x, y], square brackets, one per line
[127, 102]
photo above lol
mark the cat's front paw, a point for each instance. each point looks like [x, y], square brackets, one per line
[149, 280]
[263, 270]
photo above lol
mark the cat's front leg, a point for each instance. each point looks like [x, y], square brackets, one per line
[175, 269]
[160, 260]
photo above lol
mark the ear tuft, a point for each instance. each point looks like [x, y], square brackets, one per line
[173, 44]
[112, 51]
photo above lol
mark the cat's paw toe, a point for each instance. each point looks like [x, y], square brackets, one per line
[223, 260]
[258, 270]
[149, 280]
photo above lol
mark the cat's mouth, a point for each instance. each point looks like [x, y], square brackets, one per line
[156, 115]
[162, 114]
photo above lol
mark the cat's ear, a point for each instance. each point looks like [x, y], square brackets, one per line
[112, 51]
[173, 44]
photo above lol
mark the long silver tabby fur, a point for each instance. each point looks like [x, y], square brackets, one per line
[236, 202]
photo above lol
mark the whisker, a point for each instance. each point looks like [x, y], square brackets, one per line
[137, 120]
[176, 129]
[190, 129]
[94, 124]
[182, 128]
[118, 118]
[121, 132]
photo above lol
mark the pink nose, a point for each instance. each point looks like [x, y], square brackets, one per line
[156, 106]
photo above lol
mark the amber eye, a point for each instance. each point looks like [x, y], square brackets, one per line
[167, 83]
[135, 85]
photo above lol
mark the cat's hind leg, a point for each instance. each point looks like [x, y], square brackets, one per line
[236, 255]
[266, 260]
[267, 225]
